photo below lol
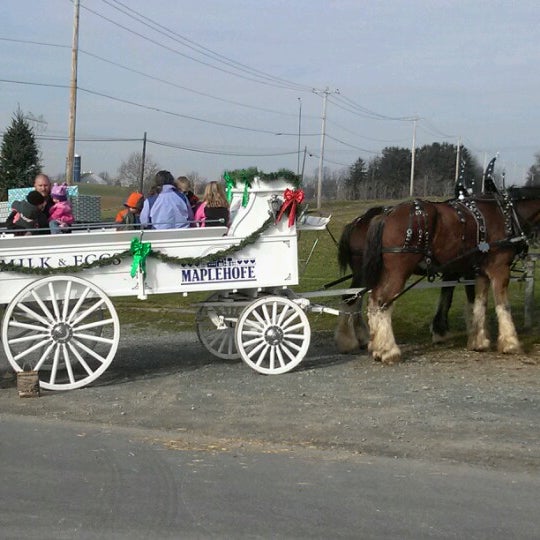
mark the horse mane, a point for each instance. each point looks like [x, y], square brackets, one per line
[518, 193]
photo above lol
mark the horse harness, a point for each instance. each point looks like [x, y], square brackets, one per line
[421, 241]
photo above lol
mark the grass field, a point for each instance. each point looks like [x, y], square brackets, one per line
[412, 313]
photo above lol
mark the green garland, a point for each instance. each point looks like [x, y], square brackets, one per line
[248, 240]
[246, 176]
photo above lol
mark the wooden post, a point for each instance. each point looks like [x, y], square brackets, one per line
[73, 96]
[530, 266]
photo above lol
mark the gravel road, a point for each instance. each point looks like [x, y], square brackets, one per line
[442, 403]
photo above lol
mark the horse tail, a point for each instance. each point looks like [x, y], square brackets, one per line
[373, 262]
[344, 247]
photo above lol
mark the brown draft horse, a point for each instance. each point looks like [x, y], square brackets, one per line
[351, 331]
[482, 234]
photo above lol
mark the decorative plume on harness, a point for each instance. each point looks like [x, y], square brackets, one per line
[489, 179]
[461, 190]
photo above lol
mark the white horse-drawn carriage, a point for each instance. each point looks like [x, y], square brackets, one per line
[59, 319]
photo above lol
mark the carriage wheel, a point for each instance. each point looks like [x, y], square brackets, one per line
[215, 328]
[273, 335]
[64, 327]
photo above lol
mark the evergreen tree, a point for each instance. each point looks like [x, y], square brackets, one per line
[356, 180]
[19, 157]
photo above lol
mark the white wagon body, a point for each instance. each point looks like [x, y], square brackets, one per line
[65, 325]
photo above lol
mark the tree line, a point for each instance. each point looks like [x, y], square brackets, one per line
[385, 176]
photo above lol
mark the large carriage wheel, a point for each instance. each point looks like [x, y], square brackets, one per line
[273, 335]
[64, 327]
[215, 328]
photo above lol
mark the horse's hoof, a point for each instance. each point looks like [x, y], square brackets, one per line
[347, 346]
[348, 350]
[512, 347]
[393, 356]
[439, 338]
[479, 345]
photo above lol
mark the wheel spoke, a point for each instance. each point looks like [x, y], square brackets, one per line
[29, 337]
[87, 350]
[95, 324]
[92, 337]
[42, 305]
[54, 302]
[78, 305]
[54, 369]
[262, 355]
[44, 356]
[66, 301]
[253, 351]
[281, 360]
[88, 312]
[26, 352]
[80, 359]
[282, 315]
[33, 315]
[67, 362]
[257, 339]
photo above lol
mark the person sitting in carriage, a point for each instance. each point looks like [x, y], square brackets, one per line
[214, 209]
[165, 209]
[60, 213]
[24, 218]
[129, 217]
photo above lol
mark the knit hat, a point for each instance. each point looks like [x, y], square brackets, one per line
[59, 192]
[35, 198]
[135, 200]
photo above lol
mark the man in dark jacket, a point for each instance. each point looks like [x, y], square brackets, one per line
[25, 215]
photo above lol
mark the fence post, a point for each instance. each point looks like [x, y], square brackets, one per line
[530, 264]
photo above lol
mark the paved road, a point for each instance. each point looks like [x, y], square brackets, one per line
[70, 480]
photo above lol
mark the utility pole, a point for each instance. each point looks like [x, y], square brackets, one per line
[413, 151]
[73, 96]
[457, 158]
[325, 94]
[141, 184]
[299, 134]
[303, 165]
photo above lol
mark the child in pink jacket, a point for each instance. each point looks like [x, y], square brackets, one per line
[60, 214]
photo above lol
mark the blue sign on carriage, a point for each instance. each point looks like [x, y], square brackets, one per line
[221, 271]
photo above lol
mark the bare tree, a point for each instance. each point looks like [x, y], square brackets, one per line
[197, 181]
[129, 172]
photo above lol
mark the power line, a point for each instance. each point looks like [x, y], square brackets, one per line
[178, 146]
[219, 152]
[205, 51]
[350, 106]
[331, 122]
[197, 92]
[176, 51]
[148, 107]
[351, 145]
[152, 77]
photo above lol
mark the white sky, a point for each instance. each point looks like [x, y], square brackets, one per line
[468, 69]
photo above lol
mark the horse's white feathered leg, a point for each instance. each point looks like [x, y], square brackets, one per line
[478, 333]
[382, 344]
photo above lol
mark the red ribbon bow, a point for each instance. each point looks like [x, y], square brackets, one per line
[292, 199]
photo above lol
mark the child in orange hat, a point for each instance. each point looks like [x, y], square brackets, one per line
[129, 216]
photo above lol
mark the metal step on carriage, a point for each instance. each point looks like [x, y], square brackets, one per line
[59, 318]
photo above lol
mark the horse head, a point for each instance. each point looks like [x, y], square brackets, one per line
[526, 202]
